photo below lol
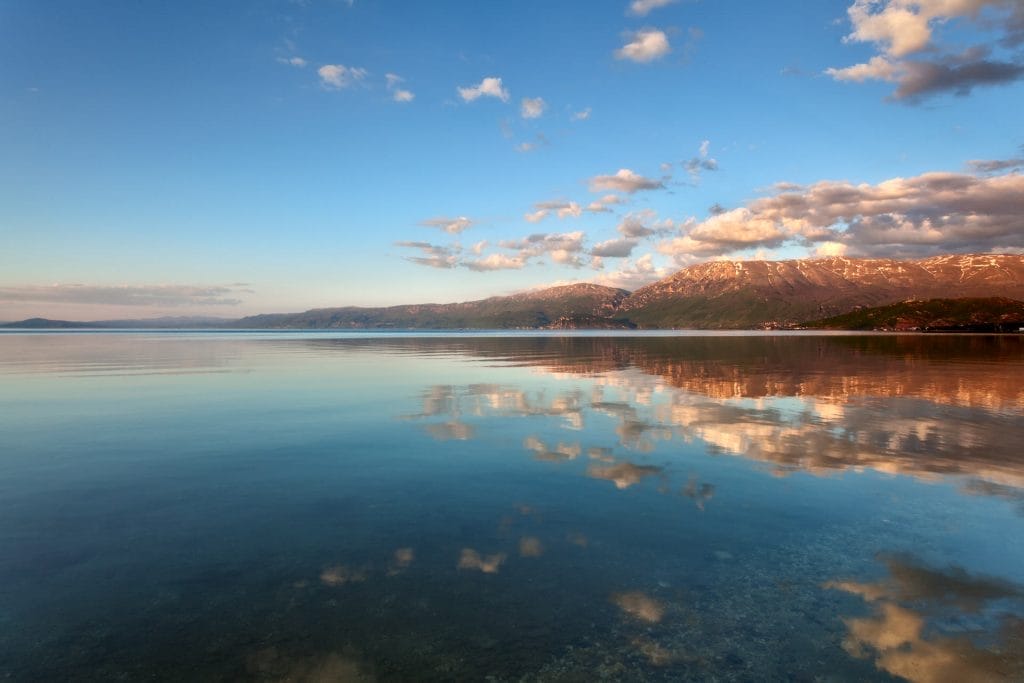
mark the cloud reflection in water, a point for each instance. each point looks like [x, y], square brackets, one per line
[930, 625]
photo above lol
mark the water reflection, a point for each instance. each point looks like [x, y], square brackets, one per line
[270, 664]
[339, 575]
[923, 407]
[520, 509]
[639, 606]
[932, 625]
[472, 559]
[624, 474]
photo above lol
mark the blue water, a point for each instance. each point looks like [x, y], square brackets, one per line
[248, 506]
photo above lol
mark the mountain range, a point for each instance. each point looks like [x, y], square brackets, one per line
[712, 295]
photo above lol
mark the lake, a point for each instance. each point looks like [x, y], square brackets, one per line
[358, 507]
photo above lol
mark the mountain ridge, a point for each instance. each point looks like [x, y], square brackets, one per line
[710, 295]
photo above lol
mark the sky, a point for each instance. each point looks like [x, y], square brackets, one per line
[229, 158]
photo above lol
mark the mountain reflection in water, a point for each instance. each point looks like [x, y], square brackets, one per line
[781, 507]
[917, 406]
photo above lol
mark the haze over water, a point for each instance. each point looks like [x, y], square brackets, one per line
[457, 507]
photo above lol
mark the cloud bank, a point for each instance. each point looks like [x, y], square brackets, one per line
[127, 295]
[920, 65]
[937, 212]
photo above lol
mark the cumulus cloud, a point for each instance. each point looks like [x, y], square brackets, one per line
[398, 94]
[645, 45]
[645, 223]
[532, 107]
[617, 248]
[633, 274]
[910, 56]
[641, 8]
[338, 76]
[452, 226]
[601, 205]
[830, 249]
[923, 215]
[126, 295]
[581, 115]
[496, 262]
[488, 87]
[624, 180]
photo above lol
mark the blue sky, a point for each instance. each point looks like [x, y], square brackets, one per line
[226, 158]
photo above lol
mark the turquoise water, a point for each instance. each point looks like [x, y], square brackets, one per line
[309, 507]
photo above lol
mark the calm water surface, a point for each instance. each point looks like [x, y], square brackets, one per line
[307, 507]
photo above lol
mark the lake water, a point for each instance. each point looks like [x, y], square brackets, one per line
[314, 507]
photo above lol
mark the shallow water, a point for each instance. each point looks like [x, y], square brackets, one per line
[455, 507]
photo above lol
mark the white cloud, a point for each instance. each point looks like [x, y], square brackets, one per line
[645, 45]
[830, 249]
[633, 274]
[566, 258]
[601, 205]
[876, 69]
[641, 8]
[398, 94]
[532, 108]
[293, 61]
[496, 262]
[452, 226]
[488, 87]
[338, 76]
[624, 180]
[581, 115]
[479, 247]
[561, 208]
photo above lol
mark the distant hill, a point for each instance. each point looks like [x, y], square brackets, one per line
[46, 323]
[750, 294]
[995, 314]
[713, 295]
[169, 322]
[536, 309]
